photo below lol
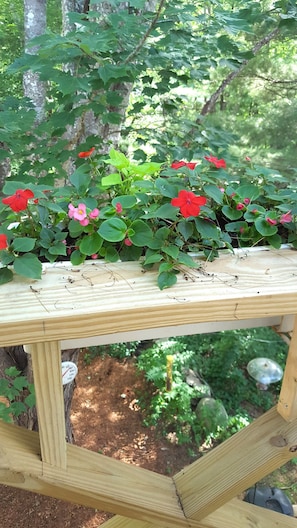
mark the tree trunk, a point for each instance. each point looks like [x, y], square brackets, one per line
[34, 25]
[16, 357]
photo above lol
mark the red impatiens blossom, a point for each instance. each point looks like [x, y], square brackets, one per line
[218, 163]
[19, 200]
[188, 203]
[179, 164]
[87, 153]
[3, 242]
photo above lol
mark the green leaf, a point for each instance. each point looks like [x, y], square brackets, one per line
[232, 214]
[23, 244]
[28, 265]
[30, 400]
[6, 275]
[236, 226]
[111, 179]
[113, 230]
[90, 244]
[81, 178]
[264, 228]
[172, 251]
[207, 229]
[248, 190]
[12, 372]
[186, 229]
[117, 159]
[166, 279]
[142, 233]
[214, 192]
[164, 211]
[152, 259]
[20, 382]
[77, 258]
[113, 71]
[126, 201]
[165, 188]
[187, 260]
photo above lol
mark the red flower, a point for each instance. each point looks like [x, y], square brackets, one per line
[179, 164]
[188, 203]
[218, 163]
[19, 200]
[3, 242]
[87, 153]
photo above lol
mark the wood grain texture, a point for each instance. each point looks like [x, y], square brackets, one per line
[99, 299]
[46, 363]
[287, 405]
[235, 514]
[236, 464]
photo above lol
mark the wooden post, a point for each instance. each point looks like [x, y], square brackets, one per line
[287, 405]
[46, 362]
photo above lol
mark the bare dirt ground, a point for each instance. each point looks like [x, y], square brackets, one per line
[106, 419]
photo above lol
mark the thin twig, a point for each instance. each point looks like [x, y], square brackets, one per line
[133, 54]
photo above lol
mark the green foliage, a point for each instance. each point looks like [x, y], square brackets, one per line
[117, 350]
[11, 389]
[220, 361]
[142, 211]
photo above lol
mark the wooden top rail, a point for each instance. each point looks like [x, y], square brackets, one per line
[99, 298]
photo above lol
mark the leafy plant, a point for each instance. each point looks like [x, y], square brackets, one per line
[115, 208]
[11, 388]
[220, 359]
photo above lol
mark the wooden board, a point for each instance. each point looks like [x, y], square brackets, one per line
[99, 299]
[287, 405]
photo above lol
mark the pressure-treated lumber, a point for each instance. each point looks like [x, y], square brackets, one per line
[236, 464]
[287, 405]
[99, 299]
[235, 514]
[98, 481]
[90, 479]
[46, 363]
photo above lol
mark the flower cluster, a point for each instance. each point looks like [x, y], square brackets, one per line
[116, 209]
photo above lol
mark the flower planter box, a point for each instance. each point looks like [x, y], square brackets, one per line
[98, 300]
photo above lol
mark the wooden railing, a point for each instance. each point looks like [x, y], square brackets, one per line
[101, 303]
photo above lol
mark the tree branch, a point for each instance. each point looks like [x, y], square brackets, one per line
[210, 103]
[133, 54]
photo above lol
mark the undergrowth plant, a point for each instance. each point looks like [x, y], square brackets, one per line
[11, 389]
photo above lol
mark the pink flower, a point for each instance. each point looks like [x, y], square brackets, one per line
[84, 222]
[246, 201]
[94, 256]
[222, 189]
[94, 214]
[247, 158]
[71, 210]
[286, 218]
[218, 163]
[118, 207]
[271, 221]
[128, 242]
[80, 212]
[239, 206]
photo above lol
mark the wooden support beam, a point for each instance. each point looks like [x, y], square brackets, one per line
[245, 458]
[287, 405]
[91, 479]
[46, 363]
[235, 514]
[101, 482]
